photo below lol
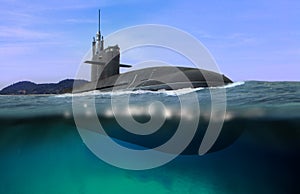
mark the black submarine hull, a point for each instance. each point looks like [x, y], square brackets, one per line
[163, 78]
[229, 134]
[159, 78]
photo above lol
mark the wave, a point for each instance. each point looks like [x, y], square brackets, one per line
[231, 85]
[139, 92]
[89, 93]
[235, 84]
[129, 92]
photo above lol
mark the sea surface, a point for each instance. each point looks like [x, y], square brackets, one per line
[41, 150]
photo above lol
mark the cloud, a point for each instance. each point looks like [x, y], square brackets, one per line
[33, 6]
[76, 21]
[17, 41]
[18, 33]
[13, 50]
[242, 39]
[288, 52]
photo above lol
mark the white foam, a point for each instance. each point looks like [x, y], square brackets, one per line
[232, 85]
[137, 92]
[89, 93]
[181, 91]
[126, 92]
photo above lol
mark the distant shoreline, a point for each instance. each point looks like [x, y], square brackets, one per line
[29, 88]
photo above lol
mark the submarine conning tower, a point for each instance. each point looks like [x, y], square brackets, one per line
[105, 62]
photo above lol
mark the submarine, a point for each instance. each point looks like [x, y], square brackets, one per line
[106, 76]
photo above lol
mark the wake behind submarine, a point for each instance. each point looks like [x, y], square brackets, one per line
[106, 76]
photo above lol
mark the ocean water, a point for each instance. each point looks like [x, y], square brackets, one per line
[258, 150]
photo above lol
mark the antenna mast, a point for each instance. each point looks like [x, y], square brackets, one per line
[99, 33]
[100, 42]
[99, 22]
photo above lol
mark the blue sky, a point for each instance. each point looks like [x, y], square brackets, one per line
[44, 41]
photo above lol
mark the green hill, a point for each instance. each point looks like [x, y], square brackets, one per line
[27, 87]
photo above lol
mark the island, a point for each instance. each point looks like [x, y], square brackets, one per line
[28, 87]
